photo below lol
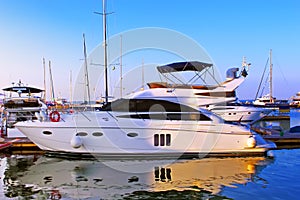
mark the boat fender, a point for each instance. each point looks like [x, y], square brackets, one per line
[38, 116]
[54, 116]
[43, 115]
[251, 142]
[76, 141]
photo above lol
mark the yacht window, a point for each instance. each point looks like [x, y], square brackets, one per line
[217, 94]
[81, 134]
[169, 116]
[168, 139]
[47, 132]
[146, 105]
[162, 139]
[97, 134]
[132, 134]
[156, 139]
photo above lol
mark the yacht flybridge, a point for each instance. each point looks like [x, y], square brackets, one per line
[199, 94]
[215, 98]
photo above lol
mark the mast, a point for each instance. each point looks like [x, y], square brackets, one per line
[105, 52]
[86, 74]
[51, 81]
[271, 78]
[121, 73]
[71, 94]
[105, 48]
[143, 79]
[44, 66]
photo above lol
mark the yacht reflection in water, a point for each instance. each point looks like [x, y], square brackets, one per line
[110, 179]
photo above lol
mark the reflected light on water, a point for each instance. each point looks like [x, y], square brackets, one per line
[36, 177]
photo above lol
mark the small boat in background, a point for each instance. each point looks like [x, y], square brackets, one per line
[268, 100]
[21, 107]
[236, 112]
[295, 100]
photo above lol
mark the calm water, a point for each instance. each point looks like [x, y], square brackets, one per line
[41, 177]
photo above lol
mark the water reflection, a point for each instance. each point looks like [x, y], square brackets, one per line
[53, 178]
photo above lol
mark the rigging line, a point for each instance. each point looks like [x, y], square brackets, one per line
[263, 89]
[284, 78]
[258, 89]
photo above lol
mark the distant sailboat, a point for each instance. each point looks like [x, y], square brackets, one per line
[268, 100]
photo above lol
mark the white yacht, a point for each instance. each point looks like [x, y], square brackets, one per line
[295, 100]
[20, 107]
[144, 128]
[235, 112]
[265, 100]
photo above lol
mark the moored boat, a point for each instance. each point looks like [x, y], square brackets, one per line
[21, 107]
[235, 112]
[295, 100]
[144, 128]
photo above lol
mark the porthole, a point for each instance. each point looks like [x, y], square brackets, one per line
[97, 134]
[81, 134]
[47, 132]
[132, 134]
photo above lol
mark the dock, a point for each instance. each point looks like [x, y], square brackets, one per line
[283, 139]
[17, 144]
[275, 118]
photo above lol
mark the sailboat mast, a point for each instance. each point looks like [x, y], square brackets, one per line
[86, 73]
[121, 73]
[143, 79]
[271, 78]
[105, 51]
[71, 94]
[51, 80]
[44, 66]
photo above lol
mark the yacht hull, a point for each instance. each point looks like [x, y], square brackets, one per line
[101, 134]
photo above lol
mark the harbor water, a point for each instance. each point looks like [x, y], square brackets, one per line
[37, 176]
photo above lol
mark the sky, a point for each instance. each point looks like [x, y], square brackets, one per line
[228, 30]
